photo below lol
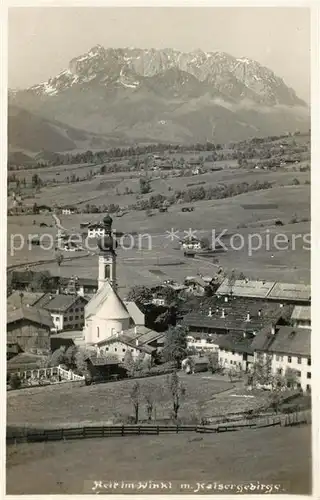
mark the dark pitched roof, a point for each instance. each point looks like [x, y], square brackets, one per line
[236, 310]
[129, 342]
[38, 316]
[103, 360]
[144, 335]
[236, 341]
[15, 301]
[285, 340]
[59, 303]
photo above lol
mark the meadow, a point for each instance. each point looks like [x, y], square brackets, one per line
[292, 264]
[271, 456]
[56, 405]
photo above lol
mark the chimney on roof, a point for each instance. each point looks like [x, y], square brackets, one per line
[137, 342]
[244, 335]
[27, 305]
[259, 313]
[273, 330]
[222, 313]
[248, 316]
[135, 330]
[217, 309]
[210, 312]
[281, 305]
[226, 299]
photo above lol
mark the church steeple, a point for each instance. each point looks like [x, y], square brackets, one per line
[107, 255]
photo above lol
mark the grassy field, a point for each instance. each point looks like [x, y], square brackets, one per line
[273, 456]
[292, 264]
[283, 202]
[105, 402]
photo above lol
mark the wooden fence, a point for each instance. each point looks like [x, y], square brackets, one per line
[35, 435]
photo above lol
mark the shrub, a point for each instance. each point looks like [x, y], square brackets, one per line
[15, 381]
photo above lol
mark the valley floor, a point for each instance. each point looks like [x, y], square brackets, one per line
[272, 456]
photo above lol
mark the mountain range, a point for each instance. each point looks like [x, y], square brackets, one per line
[161, 95]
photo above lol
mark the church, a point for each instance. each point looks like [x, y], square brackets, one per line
[108, 320]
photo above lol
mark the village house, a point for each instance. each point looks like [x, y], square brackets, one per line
[29, 327]
[19, 299]
[191, 243]
[96, 230]
[120, 344]
[235, 350]
[202, 342]
[301, 317]
[67, 311]
[195, 285]
[288, 347]
[68, 210]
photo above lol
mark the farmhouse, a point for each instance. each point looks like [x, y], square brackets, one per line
[235, 350]
[289, 347]
[68, 210]
[29, 327]
[120, 344]
[67, 311]
[195, 285]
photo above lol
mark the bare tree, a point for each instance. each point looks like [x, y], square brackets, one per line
[59, 259]
[135, 396]
[177, 392]
[231, 281]
[149, 397]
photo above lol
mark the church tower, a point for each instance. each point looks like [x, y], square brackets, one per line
[107, 256]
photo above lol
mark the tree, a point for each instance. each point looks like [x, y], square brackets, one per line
[41, 282]
[290, 378]
[35, 209]
[149, 398]
[58, 356]
[128, 363]
[213, 362]
[177, 392]
[80, 358]
[59, 260]
[205, 243]
[70, 356]
[261, 370]
[140, 295]
[135, 396]
[144, 186]
[15, 381]
[231, 281]
[175, 347]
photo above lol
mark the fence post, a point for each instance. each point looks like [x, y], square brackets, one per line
[139, 430]
[177, 428]
[122, 431]
[158, 430]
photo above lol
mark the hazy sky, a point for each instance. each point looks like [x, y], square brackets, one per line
[43, 40]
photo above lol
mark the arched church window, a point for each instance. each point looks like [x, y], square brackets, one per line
[107, 272]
